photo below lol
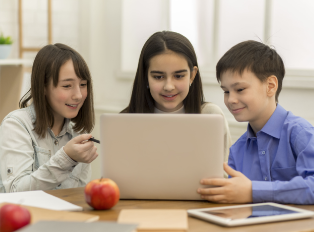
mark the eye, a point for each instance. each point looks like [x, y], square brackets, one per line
[226, 92]
[84, 84]
[179, 76]
[240, 90]
[67, 86]
[157, 77]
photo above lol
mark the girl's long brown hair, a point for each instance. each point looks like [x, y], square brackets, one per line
[47, 65]
[141, 99]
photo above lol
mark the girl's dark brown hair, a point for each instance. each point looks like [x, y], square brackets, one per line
[47, 65]
[160, 42]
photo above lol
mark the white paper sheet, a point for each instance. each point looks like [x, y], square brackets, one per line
[39, 199]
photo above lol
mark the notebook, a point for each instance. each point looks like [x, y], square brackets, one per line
[53, 226]
[38, 199]
[161, 156]
[163, 220]
[39, 214]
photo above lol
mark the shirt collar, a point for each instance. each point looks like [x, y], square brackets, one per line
[32, 113]
[250, 133]
[65, 129]
[274, 124]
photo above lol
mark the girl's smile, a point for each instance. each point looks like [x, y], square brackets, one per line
[169, 97]
[72, 106]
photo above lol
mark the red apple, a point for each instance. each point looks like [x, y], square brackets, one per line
[13, 217]
[102, 193]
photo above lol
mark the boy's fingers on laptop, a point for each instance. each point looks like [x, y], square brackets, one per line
[214, 181]
[230, 171]
[210, 191]
[214, 198]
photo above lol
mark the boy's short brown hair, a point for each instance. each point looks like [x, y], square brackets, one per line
[256, 57]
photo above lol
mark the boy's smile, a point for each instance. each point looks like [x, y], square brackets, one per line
[247, 98]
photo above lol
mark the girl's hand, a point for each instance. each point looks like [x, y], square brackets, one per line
[81, 152]
[237, 189]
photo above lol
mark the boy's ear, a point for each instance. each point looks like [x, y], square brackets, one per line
[193, 74]
[272, 85]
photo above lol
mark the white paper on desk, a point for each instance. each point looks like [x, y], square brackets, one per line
[39, 199]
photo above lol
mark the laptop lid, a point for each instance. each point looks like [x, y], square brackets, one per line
[161, 156]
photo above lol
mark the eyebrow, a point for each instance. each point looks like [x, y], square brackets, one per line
[160, 72]
[234, 84]
[69, 79]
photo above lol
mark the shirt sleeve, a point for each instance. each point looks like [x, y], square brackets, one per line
[300, 189]
[17, 161]
[85, 175]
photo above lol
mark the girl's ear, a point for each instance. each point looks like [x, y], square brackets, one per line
[272, 85]
[193, 74]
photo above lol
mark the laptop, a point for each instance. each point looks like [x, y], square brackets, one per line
[161, 156]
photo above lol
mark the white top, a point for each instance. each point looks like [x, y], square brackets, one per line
[179, 111]
[209, 108]
[28, 162]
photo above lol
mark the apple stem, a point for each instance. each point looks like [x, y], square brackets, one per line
[101, 179]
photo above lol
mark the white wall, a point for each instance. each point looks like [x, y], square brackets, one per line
[65, 23]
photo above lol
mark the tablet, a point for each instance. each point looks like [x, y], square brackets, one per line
[250, 214]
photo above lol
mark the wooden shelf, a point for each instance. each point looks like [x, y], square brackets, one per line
[11, 79]
[25, 62]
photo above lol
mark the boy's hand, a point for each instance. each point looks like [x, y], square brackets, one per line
[237, 189]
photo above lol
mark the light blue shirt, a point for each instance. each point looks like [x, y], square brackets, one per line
[279, 160]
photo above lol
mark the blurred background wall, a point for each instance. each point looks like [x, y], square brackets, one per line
[109, 34]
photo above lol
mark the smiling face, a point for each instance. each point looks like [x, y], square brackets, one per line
[169, 79]
[249, 99]
[67, 98]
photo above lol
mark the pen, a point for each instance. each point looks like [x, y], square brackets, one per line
[94, 140]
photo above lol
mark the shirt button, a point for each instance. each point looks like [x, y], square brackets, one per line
[56, 142]
[263, 152]
[265, 178]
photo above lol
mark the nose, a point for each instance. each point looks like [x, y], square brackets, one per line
[232, 99]
[77, 94]
[169, 85]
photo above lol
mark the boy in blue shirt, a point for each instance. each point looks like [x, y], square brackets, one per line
[274, 160]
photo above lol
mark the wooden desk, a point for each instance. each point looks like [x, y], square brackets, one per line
[76, 196]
